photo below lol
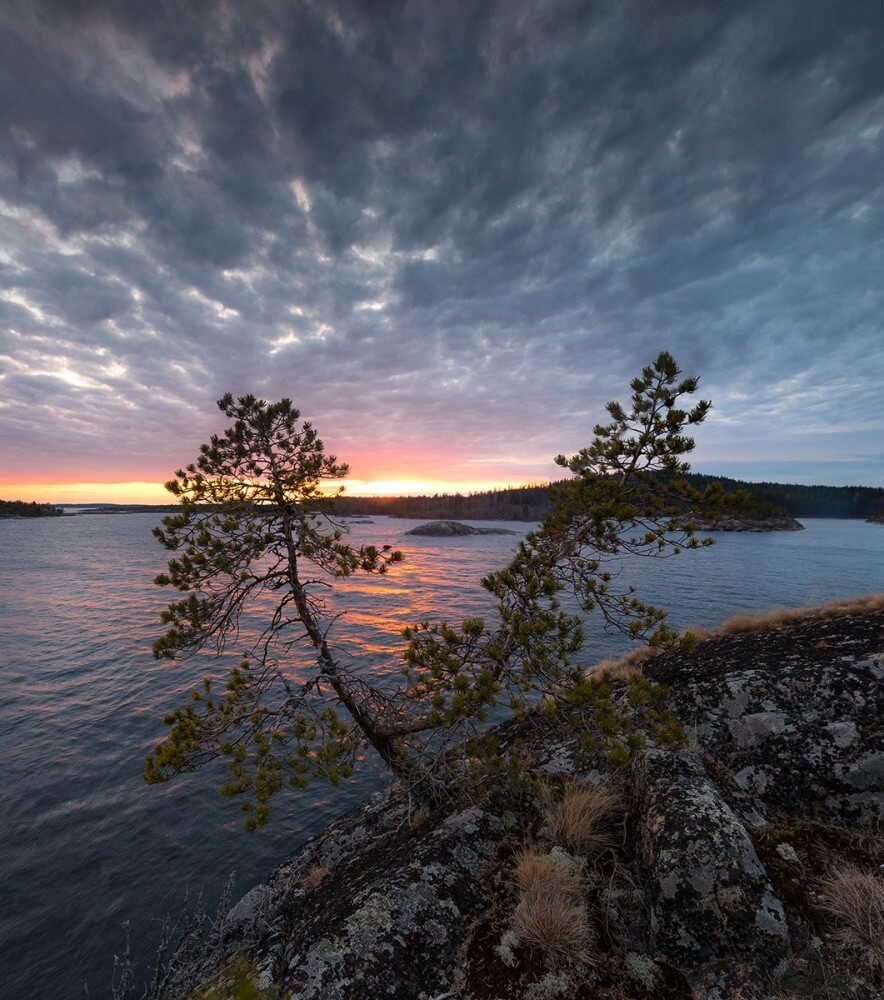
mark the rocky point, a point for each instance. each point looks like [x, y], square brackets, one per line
[715, 877]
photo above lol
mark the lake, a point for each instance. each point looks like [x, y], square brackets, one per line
[85, 845]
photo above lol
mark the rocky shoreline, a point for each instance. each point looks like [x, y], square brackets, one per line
[784, 523]
[449, 528]
[711, 878]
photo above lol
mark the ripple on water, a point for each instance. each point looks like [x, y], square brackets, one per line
[84, 844]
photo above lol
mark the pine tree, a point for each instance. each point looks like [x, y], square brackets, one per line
[255, 525]
[256, 532]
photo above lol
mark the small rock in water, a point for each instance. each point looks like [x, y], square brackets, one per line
[451, 529]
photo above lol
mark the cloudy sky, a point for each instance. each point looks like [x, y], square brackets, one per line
[448, 231]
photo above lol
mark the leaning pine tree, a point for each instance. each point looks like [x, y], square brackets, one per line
[257, 536]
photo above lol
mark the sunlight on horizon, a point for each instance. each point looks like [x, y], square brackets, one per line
[140, 492]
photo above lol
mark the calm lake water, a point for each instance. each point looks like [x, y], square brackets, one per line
[85, 845]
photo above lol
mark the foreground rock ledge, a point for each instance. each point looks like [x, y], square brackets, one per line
[716, 887]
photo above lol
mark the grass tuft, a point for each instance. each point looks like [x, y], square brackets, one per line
[855, 897]
[630, 666]
[556, 923]
[777, 618]
[578, 817]
[536, 869]
[314, 876]
[627, 667]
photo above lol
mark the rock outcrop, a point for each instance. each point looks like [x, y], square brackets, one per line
[713, 912]
[784, 523]
[711, 884]
[794, 714]
[450, 529]
[391, 906]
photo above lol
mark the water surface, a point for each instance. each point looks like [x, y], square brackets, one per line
[85, 845]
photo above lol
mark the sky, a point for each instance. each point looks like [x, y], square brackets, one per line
[449, 232]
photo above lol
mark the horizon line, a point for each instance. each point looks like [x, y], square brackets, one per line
[154, 493]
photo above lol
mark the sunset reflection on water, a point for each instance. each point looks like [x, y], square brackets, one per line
[85, 844]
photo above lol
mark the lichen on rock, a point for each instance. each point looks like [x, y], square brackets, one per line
[712, 887]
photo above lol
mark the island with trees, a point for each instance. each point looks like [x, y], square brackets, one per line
[21, 508]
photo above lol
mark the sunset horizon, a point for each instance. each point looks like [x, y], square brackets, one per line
[539, 294]
[385, 483]
[447, 270]
[145, 492]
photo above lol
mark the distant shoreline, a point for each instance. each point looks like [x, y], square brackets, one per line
[22, 510]
[83, 509]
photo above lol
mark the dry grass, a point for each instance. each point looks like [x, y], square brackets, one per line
[764, 621]
[577, 817]
[628, 666]
[555, 922]
[536, 869]
[419, 817]
[856, 898]
[313, 876]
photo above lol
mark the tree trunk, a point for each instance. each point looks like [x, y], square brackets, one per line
[386, 746]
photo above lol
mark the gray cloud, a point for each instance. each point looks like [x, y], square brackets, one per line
[443, 229]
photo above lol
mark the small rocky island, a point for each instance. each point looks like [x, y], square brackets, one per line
[784, 522]
[740, 862]
[452, 529]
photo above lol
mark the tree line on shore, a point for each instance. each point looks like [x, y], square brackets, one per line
[21, 508]
[533, 502]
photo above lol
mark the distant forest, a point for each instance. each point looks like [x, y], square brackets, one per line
[531, 503]
[519, 503]
[20, 508]
[808, 501]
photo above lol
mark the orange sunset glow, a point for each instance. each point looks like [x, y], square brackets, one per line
[375, 470]
[154, 493]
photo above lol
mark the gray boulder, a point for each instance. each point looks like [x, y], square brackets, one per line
[714, 913]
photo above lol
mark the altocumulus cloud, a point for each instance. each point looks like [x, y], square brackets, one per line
[448, 231]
